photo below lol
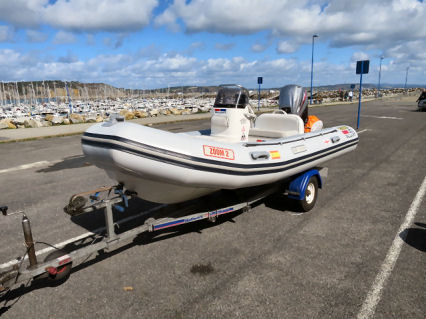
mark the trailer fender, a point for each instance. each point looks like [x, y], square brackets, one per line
[297, 187]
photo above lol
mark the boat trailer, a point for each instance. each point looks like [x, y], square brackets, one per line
[57, 265]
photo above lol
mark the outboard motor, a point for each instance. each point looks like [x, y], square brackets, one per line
[231, 113]
[294, 100]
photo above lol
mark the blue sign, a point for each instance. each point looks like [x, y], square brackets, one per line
[362, 67]
[352, 86]
[259, 81]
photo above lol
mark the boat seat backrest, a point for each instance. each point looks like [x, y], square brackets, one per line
[280, 122]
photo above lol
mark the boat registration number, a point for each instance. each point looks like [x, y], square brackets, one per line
[219, 152]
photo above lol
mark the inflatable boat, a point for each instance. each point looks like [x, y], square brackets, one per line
[240, 150]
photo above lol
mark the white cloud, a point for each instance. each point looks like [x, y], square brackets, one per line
[194, 46]
[69, 58]
[411, 52]
[36, 36]
[286, 47]
[6, 34]
[100, 15]
[150, 52]
[376, 23]
[224, 46]
[148, 68]
[197, 46]
[90, 39]
[358, 56]
[22, 13]
[115, 42]
[79, 15]
[63, 37]
[258, 47]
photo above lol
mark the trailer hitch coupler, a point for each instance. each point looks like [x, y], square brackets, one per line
[29, 242]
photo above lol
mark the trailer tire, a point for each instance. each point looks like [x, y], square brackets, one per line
[63, 272]
[311, 195]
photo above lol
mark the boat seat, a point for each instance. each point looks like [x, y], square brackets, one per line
[277, 125]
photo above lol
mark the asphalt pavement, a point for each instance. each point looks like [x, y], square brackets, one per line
[360, 253]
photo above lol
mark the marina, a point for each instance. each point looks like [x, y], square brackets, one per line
[40, 104]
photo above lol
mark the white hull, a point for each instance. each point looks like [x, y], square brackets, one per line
[167, 167]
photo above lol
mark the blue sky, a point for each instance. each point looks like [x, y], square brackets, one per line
[151, 43]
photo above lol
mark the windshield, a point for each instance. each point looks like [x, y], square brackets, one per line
[231, 96]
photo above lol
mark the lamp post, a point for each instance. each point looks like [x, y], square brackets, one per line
[312, 62]
[380, 72]
[406, 76]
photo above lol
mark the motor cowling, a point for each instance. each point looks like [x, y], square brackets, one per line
[294, 100]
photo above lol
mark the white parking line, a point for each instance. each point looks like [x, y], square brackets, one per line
[82, 236]
[25, 166]
[374, 295]
[49, 249]
[364, 130]
[383, 117]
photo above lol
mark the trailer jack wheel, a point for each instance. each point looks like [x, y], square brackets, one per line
[311, 195]
[59, 274]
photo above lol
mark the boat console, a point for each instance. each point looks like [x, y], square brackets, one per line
[234, 120]
[231, 113]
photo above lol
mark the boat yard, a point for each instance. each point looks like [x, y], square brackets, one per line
[323, 263]
[29, 106]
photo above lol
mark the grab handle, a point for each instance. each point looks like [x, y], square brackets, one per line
[259, 155]
[335, 139]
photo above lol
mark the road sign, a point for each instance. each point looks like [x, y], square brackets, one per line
[362, 67]
[352, 86]
[259, 81]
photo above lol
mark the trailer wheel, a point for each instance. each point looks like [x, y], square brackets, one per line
[62, 272]
[311, 195]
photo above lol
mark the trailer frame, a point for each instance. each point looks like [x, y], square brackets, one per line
[58, 267]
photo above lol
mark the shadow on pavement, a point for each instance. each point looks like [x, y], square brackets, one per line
[12, 296]
[95, 220]
[415, 237]
[70, 162]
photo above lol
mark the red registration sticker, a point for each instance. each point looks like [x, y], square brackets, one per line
[218, 152]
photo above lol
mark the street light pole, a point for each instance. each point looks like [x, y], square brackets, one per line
[406, 76]
[380, 72]
[312, 62]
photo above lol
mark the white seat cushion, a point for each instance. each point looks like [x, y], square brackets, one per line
[277, 125]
